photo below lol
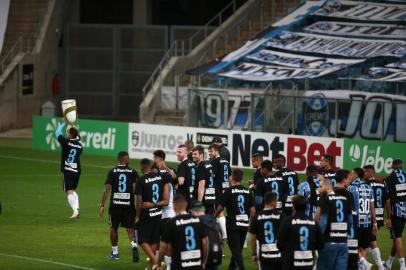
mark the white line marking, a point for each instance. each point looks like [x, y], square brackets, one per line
[46, 261]
[51, 161]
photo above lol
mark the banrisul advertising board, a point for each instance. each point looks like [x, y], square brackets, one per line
[98, 137]
[359, 153]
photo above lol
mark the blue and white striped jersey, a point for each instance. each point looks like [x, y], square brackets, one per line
[363, 198]
[309, 189]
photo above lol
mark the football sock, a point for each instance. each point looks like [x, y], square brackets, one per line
[76, 199]
[114, 249]
[402, 263]
[389, 262]
[222, 223]
[364, 262]
[133, 244]
[376, 254]
[168, 261]
[369, 250]
[72, 202]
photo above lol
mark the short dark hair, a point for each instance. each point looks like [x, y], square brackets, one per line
[359, 172]
[160, 153]
[328, 158]
[198, 148]
[216, 139]
[214, 147]
[145, 162]
[182, 146]
[179, 198]
[299, 202]
[73, 132]
[122, 154]
[369, 167]
[312, 169]
[397, 162]
[341, 175]
[270, 197]
[267, 164]
[237, 175]
[280, 156]
[154, 166]
[257, 156]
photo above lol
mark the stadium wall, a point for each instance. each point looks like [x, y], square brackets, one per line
[140, 140]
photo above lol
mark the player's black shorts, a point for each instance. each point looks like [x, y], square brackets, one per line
[149, 231]
[121, 216]
[398, 225]
[352, 264]
[164, 221]
[70, 181]
[210, 209]
[270, 266]
[364, 237]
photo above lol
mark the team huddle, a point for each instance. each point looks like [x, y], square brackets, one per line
[184, 217]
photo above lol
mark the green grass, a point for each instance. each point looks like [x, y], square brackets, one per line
[34, 220]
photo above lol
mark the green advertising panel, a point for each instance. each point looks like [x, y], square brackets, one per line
[358, 153]
[98, 137]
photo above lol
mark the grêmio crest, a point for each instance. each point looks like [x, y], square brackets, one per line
[316, 115]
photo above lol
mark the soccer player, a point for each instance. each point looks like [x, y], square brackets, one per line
[169, 175]
[264, 228]
[310, 190]
[186, 237]
[380, 198]
[396, 216]
[70, 165]
[326, 163]
[214, 235]
[222, 172]
[186, 173]
[290, 180]
[270, 183]
[364, 206]
[238, 202]
[256, 160]
[121, 182]
[205, 190]
[334, 215]
[299, 237]
[152, 193]
[224, 153]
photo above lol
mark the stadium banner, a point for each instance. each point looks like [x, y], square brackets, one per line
[364, 11]
[357, 29]
[301, 61]
[398, 64]
[380, 74]
[299, 150]
[358, 153]
[350, 47]
[359, 115]
[105, 138]
[255, 72]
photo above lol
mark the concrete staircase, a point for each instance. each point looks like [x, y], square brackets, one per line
[24, 21]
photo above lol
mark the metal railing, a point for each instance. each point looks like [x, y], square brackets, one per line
[24, 44]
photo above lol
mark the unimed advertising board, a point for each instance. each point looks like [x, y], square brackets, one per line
[299, 150]
[98, 137]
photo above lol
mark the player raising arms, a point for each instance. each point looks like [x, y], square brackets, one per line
[152, 193]
[70, 165]
[121, 181]
[290, 181]
[396, 216]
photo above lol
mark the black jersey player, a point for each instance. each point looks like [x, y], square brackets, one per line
[121, 182]
[70, 165]
[186, 173]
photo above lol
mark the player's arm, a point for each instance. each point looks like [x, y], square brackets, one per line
[205, 250]
[200, 189]
[163, 166]
[181, 180]
[388, 222]
[318, 214]
[254, 256]
[138, 205]
[283, 232]
[58, 131]
[259, 197]
[165, 196]
[106, 193]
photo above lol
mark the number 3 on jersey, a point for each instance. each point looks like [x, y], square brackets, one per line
[122, 182]
[72, 155]
[304, 237]
[190, 238]
[155, 193]
[240, 201]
